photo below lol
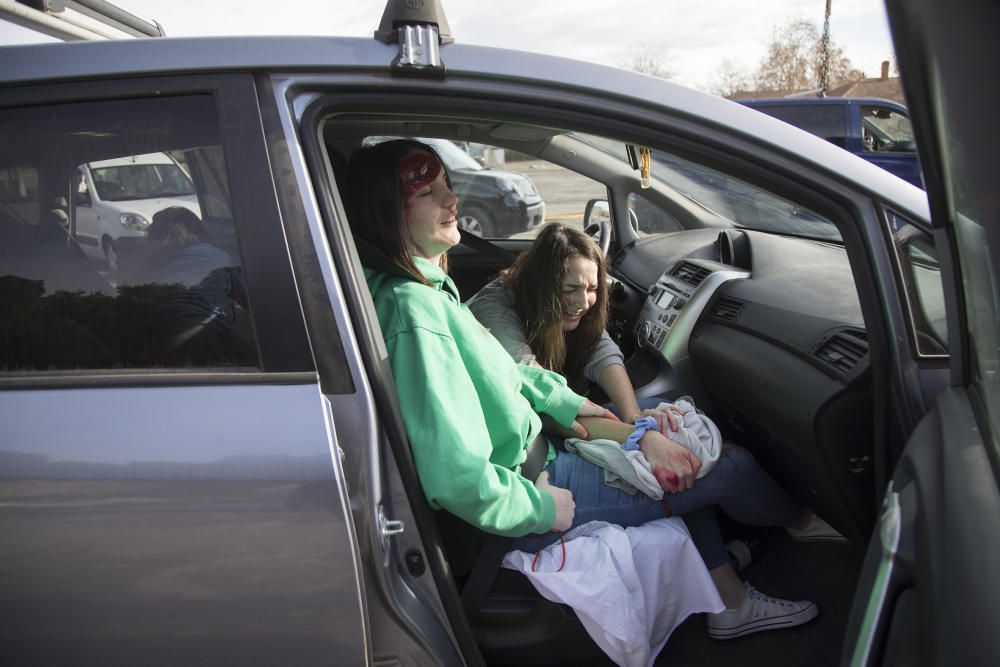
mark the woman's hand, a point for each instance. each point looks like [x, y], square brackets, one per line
[565, 505]
[589, 409]
[667, 419]
[674, 467]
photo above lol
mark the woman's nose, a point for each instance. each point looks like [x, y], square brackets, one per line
[451, 199]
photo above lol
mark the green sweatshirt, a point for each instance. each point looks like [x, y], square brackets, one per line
[469, 410]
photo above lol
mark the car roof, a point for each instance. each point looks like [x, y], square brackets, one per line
[485, 65]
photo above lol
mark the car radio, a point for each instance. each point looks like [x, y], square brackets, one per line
[676, 301]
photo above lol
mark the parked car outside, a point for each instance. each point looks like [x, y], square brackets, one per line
[115, 201]
[878, 130]
[492, 203]
[218, 472]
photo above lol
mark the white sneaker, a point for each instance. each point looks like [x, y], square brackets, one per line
[816, 530]
[758, 613]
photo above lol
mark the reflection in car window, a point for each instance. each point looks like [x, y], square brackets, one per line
[744, 204]
[508, 195]
[113, 255]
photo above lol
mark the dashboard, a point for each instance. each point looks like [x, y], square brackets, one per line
[766, 332]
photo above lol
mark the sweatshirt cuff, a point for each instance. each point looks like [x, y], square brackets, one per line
[565, 407]
[548, 516]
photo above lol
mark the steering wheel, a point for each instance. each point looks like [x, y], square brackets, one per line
[601, 233]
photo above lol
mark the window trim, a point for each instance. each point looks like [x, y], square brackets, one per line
[910, 299]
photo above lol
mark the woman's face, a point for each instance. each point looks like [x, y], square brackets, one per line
[579, 290]
[431, 206]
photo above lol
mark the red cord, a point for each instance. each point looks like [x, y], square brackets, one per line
[534, 561]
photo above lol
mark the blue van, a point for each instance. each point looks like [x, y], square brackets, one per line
[875, 129]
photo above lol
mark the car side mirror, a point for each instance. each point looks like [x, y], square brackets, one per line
[597, 214]
[82, 199]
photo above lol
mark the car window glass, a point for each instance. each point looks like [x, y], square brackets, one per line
[503, 194]
[920, 272]
[19, 192]
[886, 130]
[648, 218]
[681, 188]
[117, 247]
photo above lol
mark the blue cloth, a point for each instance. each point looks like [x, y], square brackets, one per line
[642, 425]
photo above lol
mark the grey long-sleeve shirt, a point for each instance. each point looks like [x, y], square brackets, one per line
[493, 306]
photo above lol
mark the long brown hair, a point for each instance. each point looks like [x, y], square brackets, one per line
[536, 279]
[376, 203]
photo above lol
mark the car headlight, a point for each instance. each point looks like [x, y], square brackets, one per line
[521, 186]
[134, 221]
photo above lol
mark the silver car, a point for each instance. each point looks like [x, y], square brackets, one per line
[202, 459]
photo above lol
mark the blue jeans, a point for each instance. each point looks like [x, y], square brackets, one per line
[736, 484]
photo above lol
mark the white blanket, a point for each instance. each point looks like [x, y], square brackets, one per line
[630, 587]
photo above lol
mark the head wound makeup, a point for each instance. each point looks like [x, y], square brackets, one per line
[417, 171]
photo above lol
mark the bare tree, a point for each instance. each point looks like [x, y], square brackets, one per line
[647, 59]
[793, 60]
[730, 79]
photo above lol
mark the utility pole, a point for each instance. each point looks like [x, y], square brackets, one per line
[824, 54]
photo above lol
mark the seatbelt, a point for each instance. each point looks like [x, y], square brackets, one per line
[481, 245]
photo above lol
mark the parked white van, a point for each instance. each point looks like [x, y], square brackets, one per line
[116, 199]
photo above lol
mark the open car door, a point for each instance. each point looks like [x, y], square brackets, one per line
[930, 593]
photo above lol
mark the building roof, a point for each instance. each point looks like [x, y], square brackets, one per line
[886, 89]
[883, 87]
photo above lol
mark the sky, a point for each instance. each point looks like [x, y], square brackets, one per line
[694, 36]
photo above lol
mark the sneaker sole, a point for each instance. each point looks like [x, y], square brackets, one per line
[798, 618]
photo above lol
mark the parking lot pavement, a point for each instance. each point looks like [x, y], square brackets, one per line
[566, 193]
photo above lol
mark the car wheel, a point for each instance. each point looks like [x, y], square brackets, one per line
[476, 220]
[110, 254]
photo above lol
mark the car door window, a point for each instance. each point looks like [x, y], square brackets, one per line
[920, 274]
[503, 194]
[119, 249]
[886, 130]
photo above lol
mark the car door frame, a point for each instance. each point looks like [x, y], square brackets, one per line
[531, 101]
[930, 582]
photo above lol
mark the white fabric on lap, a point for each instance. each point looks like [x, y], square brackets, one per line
[630, 587]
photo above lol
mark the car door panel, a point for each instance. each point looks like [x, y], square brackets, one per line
[139, 511]
[929, 570]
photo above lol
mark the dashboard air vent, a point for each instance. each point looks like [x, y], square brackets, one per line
[844, 349]
[690, 273]
[727, 308]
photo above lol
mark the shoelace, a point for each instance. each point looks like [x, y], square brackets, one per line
[767, 599]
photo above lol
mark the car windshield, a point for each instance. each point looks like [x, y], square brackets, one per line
[141, 181]
[744, 204]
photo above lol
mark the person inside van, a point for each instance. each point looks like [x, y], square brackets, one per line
[471, 412]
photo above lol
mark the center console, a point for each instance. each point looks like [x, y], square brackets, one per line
[676, 302]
